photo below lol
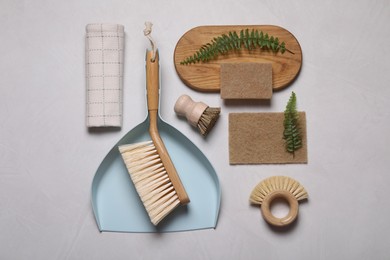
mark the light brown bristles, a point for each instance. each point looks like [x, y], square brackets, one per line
[208, 120]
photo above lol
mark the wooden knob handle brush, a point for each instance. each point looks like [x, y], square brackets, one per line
[198, 114]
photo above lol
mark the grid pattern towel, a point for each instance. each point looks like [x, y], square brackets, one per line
[104, 74]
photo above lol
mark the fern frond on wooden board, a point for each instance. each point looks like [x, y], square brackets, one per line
[205, 76]
[233, 41]
[292, 134]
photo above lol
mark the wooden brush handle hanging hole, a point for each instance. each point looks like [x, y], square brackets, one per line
[284, 221]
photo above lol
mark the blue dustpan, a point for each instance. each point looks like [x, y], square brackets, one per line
[117, 206]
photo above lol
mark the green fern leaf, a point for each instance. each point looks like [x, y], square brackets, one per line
[246, 39]
[233, 41]
[292, 134]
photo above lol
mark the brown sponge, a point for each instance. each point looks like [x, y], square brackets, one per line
[246, 80]
[256, 138]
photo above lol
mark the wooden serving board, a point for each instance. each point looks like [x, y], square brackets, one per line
[205, 76]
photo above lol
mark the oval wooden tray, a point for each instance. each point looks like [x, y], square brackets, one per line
[205, 76]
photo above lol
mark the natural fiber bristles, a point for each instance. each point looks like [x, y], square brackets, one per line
[208, 119]
[150, 179]
[277, 183]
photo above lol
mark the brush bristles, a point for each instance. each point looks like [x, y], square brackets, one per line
[277, 183]
[150, 179]
[208, 119]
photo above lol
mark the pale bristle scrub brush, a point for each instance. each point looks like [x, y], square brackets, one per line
[278, 187]
[198, 114]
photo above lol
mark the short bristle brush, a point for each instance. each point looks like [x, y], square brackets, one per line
[278, 187]
[148, 163]
[198, 114]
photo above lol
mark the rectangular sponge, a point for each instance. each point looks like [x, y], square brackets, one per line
[257, 138]
[246, 80]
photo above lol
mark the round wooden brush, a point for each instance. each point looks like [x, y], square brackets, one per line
[198, 114]
[278, 187]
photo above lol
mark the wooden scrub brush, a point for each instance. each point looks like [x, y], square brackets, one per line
[278, 187]
[198, 114]
[148, 163]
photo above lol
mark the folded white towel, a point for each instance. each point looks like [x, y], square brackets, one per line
[104, 74]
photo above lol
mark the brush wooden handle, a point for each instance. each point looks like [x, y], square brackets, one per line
[152, 86]
[192, 110]
[270, 218]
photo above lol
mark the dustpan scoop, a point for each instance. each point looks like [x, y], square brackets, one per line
[117, 206]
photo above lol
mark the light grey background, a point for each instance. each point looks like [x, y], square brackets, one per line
[48, 157]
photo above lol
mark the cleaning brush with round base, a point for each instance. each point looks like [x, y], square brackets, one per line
[278, 187]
